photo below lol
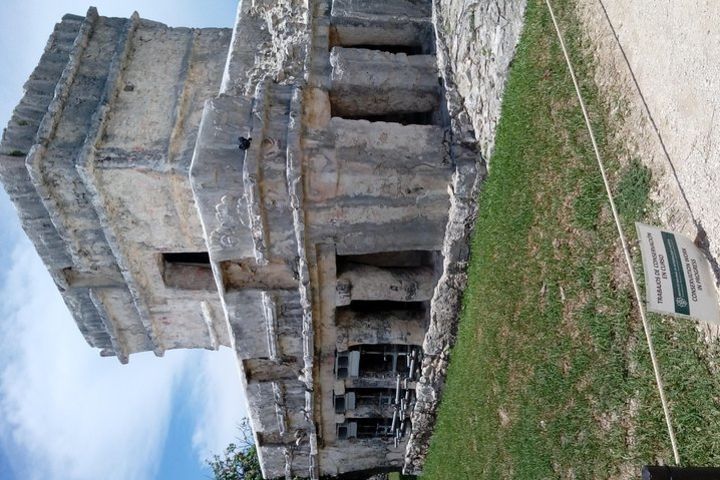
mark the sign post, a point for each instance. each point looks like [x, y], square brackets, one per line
[677, 276]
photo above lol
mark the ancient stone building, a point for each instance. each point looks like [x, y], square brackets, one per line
[299, 189]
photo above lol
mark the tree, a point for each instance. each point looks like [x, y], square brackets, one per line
[240, 460]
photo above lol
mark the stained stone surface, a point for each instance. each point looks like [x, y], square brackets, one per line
[300, 189]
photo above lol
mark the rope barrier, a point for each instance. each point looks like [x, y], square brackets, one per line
[626, 251]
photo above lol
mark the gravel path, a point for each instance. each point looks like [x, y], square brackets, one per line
[669, 83]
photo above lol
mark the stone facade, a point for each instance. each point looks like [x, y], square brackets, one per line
[300, 189]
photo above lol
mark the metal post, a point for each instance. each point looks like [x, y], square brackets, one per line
[662, 472]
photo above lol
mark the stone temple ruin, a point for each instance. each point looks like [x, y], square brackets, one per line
[299, 188]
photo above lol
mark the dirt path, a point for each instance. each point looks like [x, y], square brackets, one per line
[658, 61]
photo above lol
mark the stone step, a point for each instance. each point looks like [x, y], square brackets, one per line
[22, 135]
[30, 112]
[73, 19]
[51, 66]
[41, 87]
[66, 37]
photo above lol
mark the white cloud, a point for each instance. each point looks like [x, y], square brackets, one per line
[65, 413]
[218, 395]
[84, 417]
[68, 414]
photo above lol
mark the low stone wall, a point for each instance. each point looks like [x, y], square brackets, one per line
[475, 45]
[479, 38]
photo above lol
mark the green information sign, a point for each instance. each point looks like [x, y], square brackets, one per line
[678, 280]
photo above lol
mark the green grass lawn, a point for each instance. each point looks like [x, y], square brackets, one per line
[550, 376]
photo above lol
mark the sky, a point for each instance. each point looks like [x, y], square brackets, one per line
[65, 412]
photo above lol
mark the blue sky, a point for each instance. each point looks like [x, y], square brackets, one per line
[66, 413]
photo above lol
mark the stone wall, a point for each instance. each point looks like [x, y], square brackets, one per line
[478, 39]
[96, 159]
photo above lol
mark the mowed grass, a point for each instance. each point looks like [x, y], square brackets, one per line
[550, 376]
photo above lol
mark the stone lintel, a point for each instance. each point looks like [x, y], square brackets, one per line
[366, 282]
[247, 274]
[399, 327]
[371, 82]
[258, 370]
[408, 10]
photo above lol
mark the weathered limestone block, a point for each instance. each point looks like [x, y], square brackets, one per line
[370, 82]
[289, 322]
[406, 9]
[279, 29]
[389, 163]
[258, 370]
[351, 31]
[261, 407]
[478, 43]
[365, 282]
[106, 278]
[403, 327]
[158, 109]
[246, 273]
[367, 454]
[89, 321]
[377, 186]
[216, 175]
[246, 314]
[274, 459]
[128, 334]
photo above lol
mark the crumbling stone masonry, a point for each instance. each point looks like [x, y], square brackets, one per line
[300, 189]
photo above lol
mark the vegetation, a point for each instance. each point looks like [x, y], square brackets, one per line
[551, 377]
[240, 460]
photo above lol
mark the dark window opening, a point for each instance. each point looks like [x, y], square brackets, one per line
[374, 397]
[373, 427]
[385, 360]
[339, 403]
[379, 360]
[188, 271]
[346, 364]
[187, 258]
